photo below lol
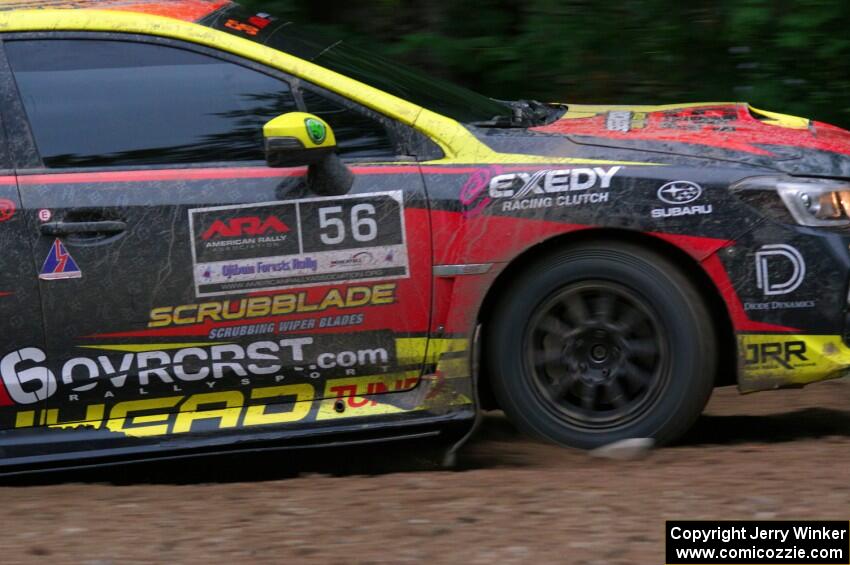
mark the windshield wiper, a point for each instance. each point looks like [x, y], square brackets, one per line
[525, 114]
[500, 121]
[538, 113]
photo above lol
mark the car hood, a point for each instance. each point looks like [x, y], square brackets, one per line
[728, 131]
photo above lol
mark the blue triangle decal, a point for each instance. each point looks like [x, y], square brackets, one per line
[59, 264]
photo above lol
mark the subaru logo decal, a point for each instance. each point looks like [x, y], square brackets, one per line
[679, 192]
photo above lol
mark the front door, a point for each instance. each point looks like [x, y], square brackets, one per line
[178, 273]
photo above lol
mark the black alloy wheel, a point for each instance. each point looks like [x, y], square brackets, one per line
[601, 343]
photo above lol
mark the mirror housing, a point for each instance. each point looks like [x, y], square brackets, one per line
[296, 139]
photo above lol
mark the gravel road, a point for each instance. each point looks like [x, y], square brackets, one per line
[778, 455]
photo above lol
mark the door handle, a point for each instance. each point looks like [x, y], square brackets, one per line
[71, 228]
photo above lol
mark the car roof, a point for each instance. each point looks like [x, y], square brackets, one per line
[186, 10]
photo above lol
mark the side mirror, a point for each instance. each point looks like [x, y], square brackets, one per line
[297, 139]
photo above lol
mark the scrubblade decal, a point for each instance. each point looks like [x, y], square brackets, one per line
[298, 243]
[288, 326]
[272, 306]
[132, 370]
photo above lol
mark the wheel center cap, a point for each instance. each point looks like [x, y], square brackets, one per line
[599, 353]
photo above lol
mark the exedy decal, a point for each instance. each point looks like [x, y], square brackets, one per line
[548, 188]
[522, 185]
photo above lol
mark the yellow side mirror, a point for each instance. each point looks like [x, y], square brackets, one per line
[297, 138]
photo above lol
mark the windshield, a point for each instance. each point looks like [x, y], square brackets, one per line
[434, 94]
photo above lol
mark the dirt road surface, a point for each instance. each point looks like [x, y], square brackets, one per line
[780, 455]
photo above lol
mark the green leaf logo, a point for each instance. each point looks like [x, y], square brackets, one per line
[316, 130]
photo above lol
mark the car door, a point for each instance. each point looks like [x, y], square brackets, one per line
[178, 272]
[24, 382]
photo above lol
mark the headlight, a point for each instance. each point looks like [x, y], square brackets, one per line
[811, 202]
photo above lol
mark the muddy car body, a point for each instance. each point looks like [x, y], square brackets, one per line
[223, 233]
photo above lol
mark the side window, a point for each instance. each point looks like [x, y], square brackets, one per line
[95, 103]
[357, 134]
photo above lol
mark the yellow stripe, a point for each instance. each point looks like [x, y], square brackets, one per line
[782, 120]
[416, 348]
[578, 111]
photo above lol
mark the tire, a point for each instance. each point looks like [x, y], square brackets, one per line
[599, 343]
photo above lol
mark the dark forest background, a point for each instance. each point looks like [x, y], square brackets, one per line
[786, 56]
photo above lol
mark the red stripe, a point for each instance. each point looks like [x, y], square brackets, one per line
[704, 249]
[700, 248]
[4, 294]
[714, 268]
[445, 170]
[163, 175]
[186, 10]
[154, 175]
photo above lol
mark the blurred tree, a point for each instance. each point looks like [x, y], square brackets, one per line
[790, 56]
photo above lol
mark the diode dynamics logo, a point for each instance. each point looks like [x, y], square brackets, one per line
[780, 269]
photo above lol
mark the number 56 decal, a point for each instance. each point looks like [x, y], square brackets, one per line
[364, 228]
[298, 243]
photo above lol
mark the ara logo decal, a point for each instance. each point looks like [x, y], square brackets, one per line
[250, 225]
[59, 264]
[780, 269]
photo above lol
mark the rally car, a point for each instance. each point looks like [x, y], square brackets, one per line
[222, 232]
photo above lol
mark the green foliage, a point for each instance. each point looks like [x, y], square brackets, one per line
[790, 56]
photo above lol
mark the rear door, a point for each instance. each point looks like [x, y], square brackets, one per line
[178, 272]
